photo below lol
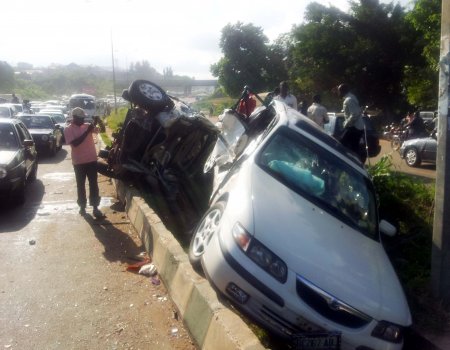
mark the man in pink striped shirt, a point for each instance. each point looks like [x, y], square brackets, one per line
[79, 135]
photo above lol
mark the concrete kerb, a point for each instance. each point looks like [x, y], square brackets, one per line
[211, 324]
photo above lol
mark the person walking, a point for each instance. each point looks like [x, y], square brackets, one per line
[318, 113]
[285, 96]
[14, 98]
[79, 135]
[353, 124]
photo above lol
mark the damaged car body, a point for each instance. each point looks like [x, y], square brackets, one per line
[288, 229]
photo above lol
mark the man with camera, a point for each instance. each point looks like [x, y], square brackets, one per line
[79, 135]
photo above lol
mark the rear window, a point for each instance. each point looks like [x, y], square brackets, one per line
[38, 122]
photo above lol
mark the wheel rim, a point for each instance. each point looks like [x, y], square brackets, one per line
[411, 157]
[150, 92]
[207, 228]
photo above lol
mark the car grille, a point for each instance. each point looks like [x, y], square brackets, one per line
[280, 324]
[330, 307]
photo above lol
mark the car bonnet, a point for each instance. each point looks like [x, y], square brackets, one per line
[6, 156]
[320, 248]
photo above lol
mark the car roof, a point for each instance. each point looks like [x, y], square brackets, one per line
[10, 121]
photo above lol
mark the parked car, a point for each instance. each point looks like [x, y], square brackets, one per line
[18, 161]
[416, 151]
[46, 133]
[292, 235]
[335, 128]
[58, 117]
[6, 111]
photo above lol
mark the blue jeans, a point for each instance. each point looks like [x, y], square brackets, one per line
[82, 171]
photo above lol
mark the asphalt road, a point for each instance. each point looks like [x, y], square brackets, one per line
[63, 278]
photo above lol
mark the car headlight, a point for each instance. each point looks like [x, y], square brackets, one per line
[260, 254]
[44, 137]
[3, 173]
[388, 331]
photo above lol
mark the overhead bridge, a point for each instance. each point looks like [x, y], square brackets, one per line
[184, 84]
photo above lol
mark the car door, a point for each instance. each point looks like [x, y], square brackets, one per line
[29, 154]
[429, 150]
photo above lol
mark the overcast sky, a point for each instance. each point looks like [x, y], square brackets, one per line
[180, 34]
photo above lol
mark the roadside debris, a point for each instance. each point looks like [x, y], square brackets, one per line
[148, 270]
[32, 242]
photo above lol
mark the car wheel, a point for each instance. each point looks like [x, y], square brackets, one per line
[33, 174]
[149, 96]
[208, 226]
[412, 157]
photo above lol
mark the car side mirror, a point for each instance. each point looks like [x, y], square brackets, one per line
[28, 143]
[387, 228]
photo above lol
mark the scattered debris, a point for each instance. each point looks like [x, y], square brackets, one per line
[156, 281]
[174, 331]
[148, 270]
[175, 315]
[32, 242]
[138, 265]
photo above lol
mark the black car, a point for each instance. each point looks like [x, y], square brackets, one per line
[46, 133]
[335, 128]
[18, 162]
[422, 149]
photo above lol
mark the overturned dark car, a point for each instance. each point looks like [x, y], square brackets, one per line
[162, 148]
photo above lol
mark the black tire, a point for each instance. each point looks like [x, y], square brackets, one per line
[412, 157]
[33, 174]
[208, 226]
[149, 96]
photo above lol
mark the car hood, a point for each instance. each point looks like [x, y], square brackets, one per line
[333, 256]
[6, 156]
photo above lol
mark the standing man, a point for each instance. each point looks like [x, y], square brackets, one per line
[353, 124]
[84, 159]
[318, 113]
[285, 96]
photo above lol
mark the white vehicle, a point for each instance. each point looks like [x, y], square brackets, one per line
[85, 101]
[292, 236]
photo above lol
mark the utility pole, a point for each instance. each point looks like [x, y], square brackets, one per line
[114, 75]
[440, 260]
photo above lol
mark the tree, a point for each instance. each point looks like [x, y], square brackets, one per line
[7, 80]
[246, 59]
[366, 48]
[167, 72]
[422, 79]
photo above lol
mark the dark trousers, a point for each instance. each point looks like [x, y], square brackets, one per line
[351, 137]
[82, 171]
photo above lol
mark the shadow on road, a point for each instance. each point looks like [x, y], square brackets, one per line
[113, 232]
[16, 217]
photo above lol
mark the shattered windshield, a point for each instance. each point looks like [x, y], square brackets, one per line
[8, 139]
[322, 178]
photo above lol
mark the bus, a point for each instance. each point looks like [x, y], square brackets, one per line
[85, 101]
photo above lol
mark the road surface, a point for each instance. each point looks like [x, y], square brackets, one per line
[63, 278]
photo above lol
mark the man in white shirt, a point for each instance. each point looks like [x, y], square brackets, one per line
[317, 112]
[285, 96]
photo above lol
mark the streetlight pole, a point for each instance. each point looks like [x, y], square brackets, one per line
[440, 260]
[114, 75]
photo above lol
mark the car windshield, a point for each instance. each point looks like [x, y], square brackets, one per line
[38, 122]
[8, 139]
[322, 178]
[5, 112]
[85, 103]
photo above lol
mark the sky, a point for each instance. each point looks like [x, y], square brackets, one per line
[181, 34]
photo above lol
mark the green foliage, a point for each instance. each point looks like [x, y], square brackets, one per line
[408, 203]
[248, 60]
[217, 105]
[6, 78]
[115, 120]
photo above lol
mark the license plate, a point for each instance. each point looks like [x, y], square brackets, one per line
[317, 341]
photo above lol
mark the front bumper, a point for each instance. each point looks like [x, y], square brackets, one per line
[275, 306]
